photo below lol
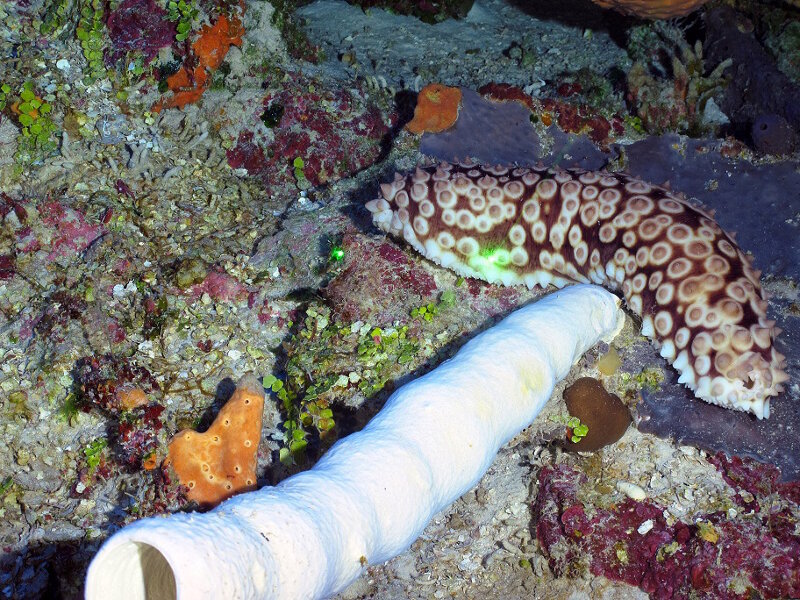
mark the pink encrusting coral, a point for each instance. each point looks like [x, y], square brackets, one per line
[71, 233]
[699, 297]
[378, 283]
[220, 287]
[718, 557]
[335, 132]
[139, 25]
[41, 232]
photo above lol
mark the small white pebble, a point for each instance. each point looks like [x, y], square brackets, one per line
[63, 64]
[631, 490]
[234, 354]
[645, 527]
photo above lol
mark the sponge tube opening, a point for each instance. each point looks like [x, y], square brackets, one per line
[132, 571]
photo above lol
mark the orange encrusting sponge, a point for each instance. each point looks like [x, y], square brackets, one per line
[436, 110]
[209, 50]
[221, 462]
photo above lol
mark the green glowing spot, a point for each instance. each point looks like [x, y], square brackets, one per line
[490, 262]
[337, 253]
[495, 256]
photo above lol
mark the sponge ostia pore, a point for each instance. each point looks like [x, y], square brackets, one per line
[699, 297]
[374, 491]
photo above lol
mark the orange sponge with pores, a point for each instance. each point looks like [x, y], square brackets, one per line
[436, 110]
[221, 462]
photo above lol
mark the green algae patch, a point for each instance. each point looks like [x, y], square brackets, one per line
[335, 369]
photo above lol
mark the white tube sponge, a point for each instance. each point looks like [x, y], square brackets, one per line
[374, 491]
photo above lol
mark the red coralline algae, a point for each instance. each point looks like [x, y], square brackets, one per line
[720, 557]
[61, 307]
[378, 283]
[9, 205]
[247, 154]
[70, 234]
[492, 300]
[116, 332]
[570, 118]
[220, 286]
[7, 264]
[110, 384]
[505, 92]
[136, 439]
[733, 148]
[335, 133]
[58, 230]
[139, 25]
[260, 302]
[759, 479]
[582, 119]
[569, 89]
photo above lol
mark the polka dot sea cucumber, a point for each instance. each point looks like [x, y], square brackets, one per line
[696, 292]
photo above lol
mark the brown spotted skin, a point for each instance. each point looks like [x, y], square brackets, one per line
[697, 295]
